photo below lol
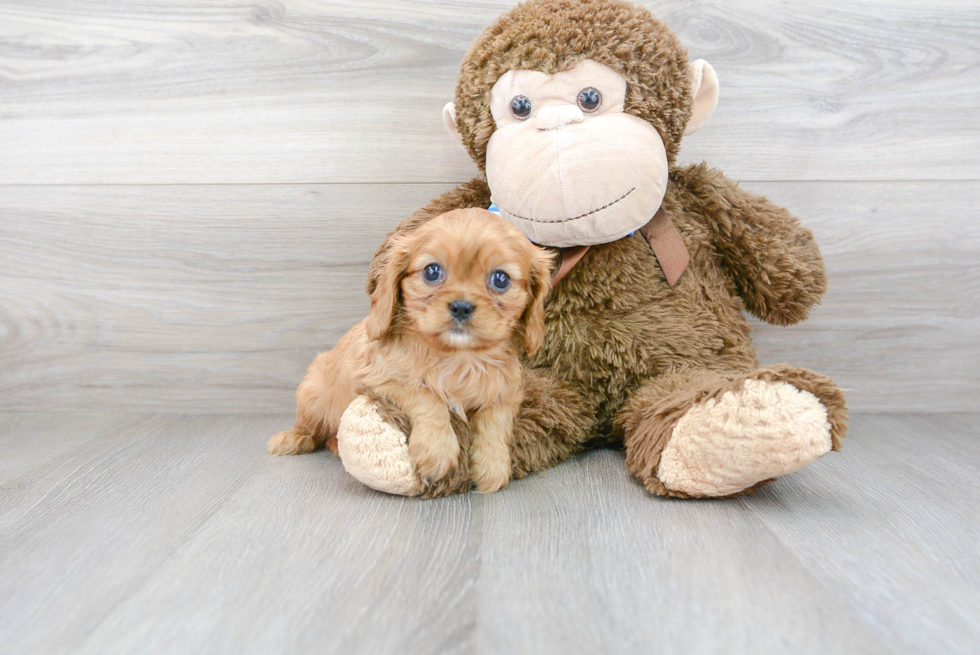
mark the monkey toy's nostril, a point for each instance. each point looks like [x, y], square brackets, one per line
[461, 310]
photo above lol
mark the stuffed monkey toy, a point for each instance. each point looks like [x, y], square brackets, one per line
[574, 110]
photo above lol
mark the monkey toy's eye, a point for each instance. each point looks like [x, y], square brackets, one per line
[433, 274]
[520, 106]
[589, 99]
[499, 281]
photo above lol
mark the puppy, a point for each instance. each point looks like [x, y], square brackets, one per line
[456, 300]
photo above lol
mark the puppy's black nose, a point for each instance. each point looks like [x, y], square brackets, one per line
[461, 309]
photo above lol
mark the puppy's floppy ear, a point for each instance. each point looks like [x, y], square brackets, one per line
[539, 285]
[387, 290]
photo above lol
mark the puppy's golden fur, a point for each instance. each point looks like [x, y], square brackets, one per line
[413, 351]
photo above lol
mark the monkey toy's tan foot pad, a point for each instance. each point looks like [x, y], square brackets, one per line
[759, 431]
[375, 452]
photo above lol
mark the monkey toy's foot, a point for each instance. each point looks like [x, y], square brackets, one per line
[730, 443]
[705, 434]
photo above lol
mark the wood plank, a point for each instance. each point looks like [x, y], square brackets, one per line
[203, 295]
[178, 533]
[32, 445]
[580, 559]
[215, 298]
[892, 523]
[189, 537]
[195, 91]
[310, 561]
[72, 549]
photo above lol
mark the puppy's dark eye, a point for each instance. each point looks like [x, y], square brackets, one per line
[432, 273]
[589, 99]
[499, 281]
[520, 106]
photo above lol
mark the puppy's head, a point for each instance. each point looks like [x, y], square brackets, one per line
[465, 280]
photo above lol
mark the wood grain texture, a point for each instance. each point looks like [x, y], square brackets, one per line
[198, 299]
[894, 527]
[195, 91]
[150, 534]
[580, 559]
[182, 535]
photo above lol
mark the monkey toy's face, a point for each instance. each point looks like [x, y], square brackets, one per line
[566, 165]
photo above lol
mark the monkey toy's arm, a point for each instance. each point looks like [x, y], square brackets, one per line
[773, 260]
[474, 193]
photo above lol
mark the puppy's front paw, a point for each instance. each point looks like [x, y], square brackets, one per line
[435, 452]
[490, 469]
[291, 442]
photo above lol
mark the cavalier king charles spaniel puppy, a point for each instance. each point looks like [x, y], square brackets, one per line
[456, 301]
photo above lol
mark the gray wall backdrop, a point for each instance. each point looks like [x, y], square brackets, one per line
[191, 190]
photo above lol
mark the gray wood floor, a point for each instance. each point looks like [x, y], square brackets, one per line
[162, 533]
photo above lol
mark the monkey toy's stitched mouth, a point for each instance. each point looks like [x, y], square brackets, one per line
[574, 218]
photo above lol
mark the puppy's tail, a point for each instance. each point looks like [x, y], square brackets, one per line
[297, 442]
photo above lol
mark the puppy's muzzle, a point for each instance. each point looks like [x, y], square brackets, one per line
[461, 310]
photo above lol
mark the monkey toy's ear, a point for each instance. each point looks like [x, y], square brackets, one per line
[704, 88]
[449, 120]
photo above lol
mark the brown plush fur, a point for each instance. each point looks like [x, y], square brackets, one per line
[624, 354]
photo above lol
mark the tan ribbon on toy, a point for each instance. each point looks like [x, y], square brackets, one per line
[668, 245]
[569, 257]
[660, 233]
